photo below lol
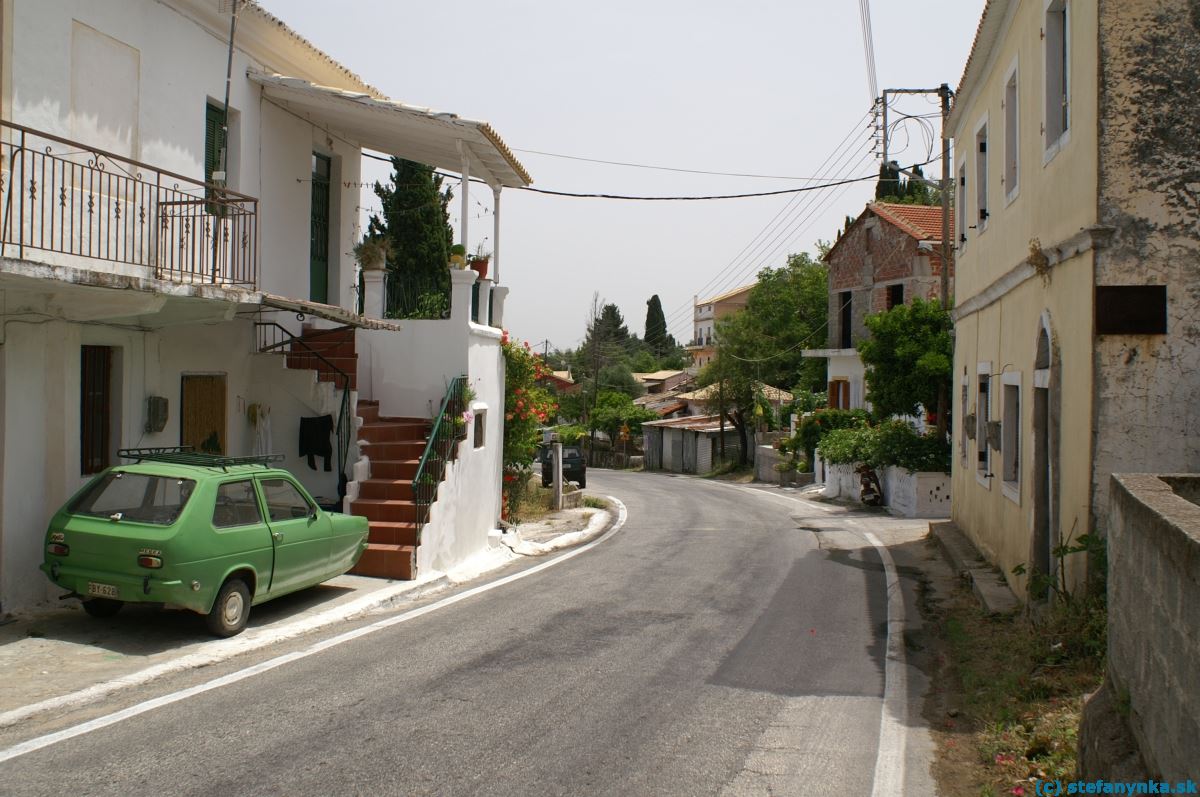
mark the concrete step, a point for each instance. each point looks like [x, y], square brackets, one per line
[394, 469]
[392, 432]
[408, 449]
[368, 410]
[393, 533]
[385, 509]
[388, 561]
[389, 489]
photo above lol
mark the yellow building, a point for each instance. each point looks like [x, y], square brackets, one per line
[705, 314]
[1074, 128]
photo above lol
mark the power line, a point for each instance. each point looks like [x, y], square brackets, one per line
[783, 224]
[627, 197]
[747, 250]
[666, 168]
[864, 13]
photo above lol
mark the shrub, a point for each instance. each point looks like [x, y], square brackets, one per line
[812, 428]
[891, 443]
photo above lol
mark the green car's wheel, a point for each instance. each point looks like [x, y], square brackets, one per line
[102, 607]
[231, 609]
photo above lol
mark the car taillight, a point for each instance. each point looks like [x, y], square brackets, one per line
[58, 549]
[150, 561]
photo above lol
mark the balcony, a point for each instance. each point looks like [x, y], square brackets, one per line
[77, 204]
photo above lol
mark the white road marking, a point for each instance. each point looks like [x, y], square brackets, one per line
[890, 761]
[47, 740]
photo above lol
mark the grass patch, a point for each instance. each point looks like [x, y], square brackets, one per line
[592, 502]
[731, 471]
[536, 502]
[1010, 691]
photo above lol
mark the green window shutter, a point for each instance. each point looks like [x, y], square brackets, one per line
[213, 119]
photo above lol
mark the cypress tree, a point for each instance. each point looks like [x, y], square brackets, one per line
[656, 327]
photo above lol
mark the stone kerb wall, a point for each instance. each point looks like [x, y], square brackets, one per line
[1154, 616]
[924, 494]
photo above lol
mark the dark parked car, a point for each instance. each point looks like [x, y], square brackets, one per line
[573, 466]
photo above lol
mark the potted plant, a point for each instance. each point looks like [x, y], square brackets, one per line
[479, 262]
[373, 251]
[458, 256]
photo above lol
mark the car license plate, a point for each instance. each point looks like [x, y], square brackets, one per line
[102, 590]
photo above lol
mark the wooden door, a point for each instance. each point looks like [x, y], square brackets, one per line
[318, 251]
[202, 413]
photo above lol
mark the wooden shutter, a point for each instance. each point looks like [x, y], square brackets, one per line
[214, 119]
[94, 408]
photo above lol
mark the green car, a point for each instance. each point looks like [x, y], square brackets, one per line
[212, 534]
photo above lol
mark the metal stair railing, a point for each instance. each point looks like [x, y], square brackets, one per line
[449, 427]
[272, 338]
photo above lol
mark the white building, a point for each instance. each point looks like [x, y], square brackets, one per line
[144, 307]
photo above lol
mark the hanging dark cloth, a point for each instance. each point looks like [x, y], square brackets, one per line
[314, 439]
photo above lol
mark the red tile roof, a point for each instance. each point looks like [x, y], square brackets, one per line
[923, 222]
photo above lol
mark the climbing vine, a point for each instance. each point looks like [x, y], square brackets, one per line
[527, 407]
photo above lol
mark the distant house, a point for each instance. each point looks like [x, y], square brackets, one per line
[705, 315]
[666, 405]
[662, 381]
[561, 381]
[888, 256]
[703, 401]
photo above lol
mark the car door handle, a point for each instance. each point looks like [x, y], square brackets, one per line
[277, 535]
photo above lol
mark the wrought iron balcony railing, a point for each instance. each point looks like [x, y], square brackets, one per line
[77, 201]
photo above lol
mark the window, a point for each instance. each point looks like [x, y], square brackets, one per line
[960, 203]
[847, 300]
[1010, 446]
[135, 498]
[981, 174]
[95, 408]
[982, 413]
[1011, 137]
[284, 501]
[236, 505]
[962, 411]
[480, 426]
[895, 295]
[839, 394]
[214, 139]
[1056, 36]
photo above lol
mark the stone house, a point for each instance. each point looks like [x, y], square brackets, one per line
[1077, 256]
[177, 270]
[888, 256]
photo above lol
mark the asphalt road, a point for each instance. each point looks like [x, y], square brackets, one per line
[709, 647]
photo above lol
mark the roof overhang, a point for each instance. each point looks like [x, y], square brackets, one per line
[418, 134]
[328, 312]
[996, 19]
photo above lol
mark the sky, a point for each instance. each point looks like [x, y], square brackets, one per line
[778, 89]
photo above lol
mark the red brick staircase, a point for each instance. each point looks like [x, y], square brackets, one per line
[394, 447]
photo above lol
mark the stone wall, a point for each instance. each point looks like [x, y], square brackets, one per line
[1145, 415]
[1154, 617]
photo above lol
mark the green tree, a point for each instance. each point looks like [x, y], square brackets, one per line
[415, 217]
[656, 327]
[908, 358]
[617, 410]
[733, 384]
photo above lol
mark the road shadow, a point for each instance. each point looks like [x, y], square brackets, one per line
[148, 629]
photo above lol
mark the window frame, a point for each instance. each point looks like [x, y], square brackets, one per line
[1011, 444]
[1052, 146]
[983, 408]
[1011, 179]
[982, 167]
[960, 202]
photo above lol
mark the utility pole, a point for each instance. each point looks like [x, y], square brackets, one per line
[944, 186]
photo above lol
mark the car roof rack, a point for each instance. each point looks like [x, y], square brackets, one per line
[186, 455]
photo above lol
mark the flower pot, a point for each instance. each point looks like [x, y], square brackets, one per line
[480, 267]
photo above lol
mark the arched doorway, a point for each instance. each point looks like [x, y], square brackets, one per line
[1045, 458]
